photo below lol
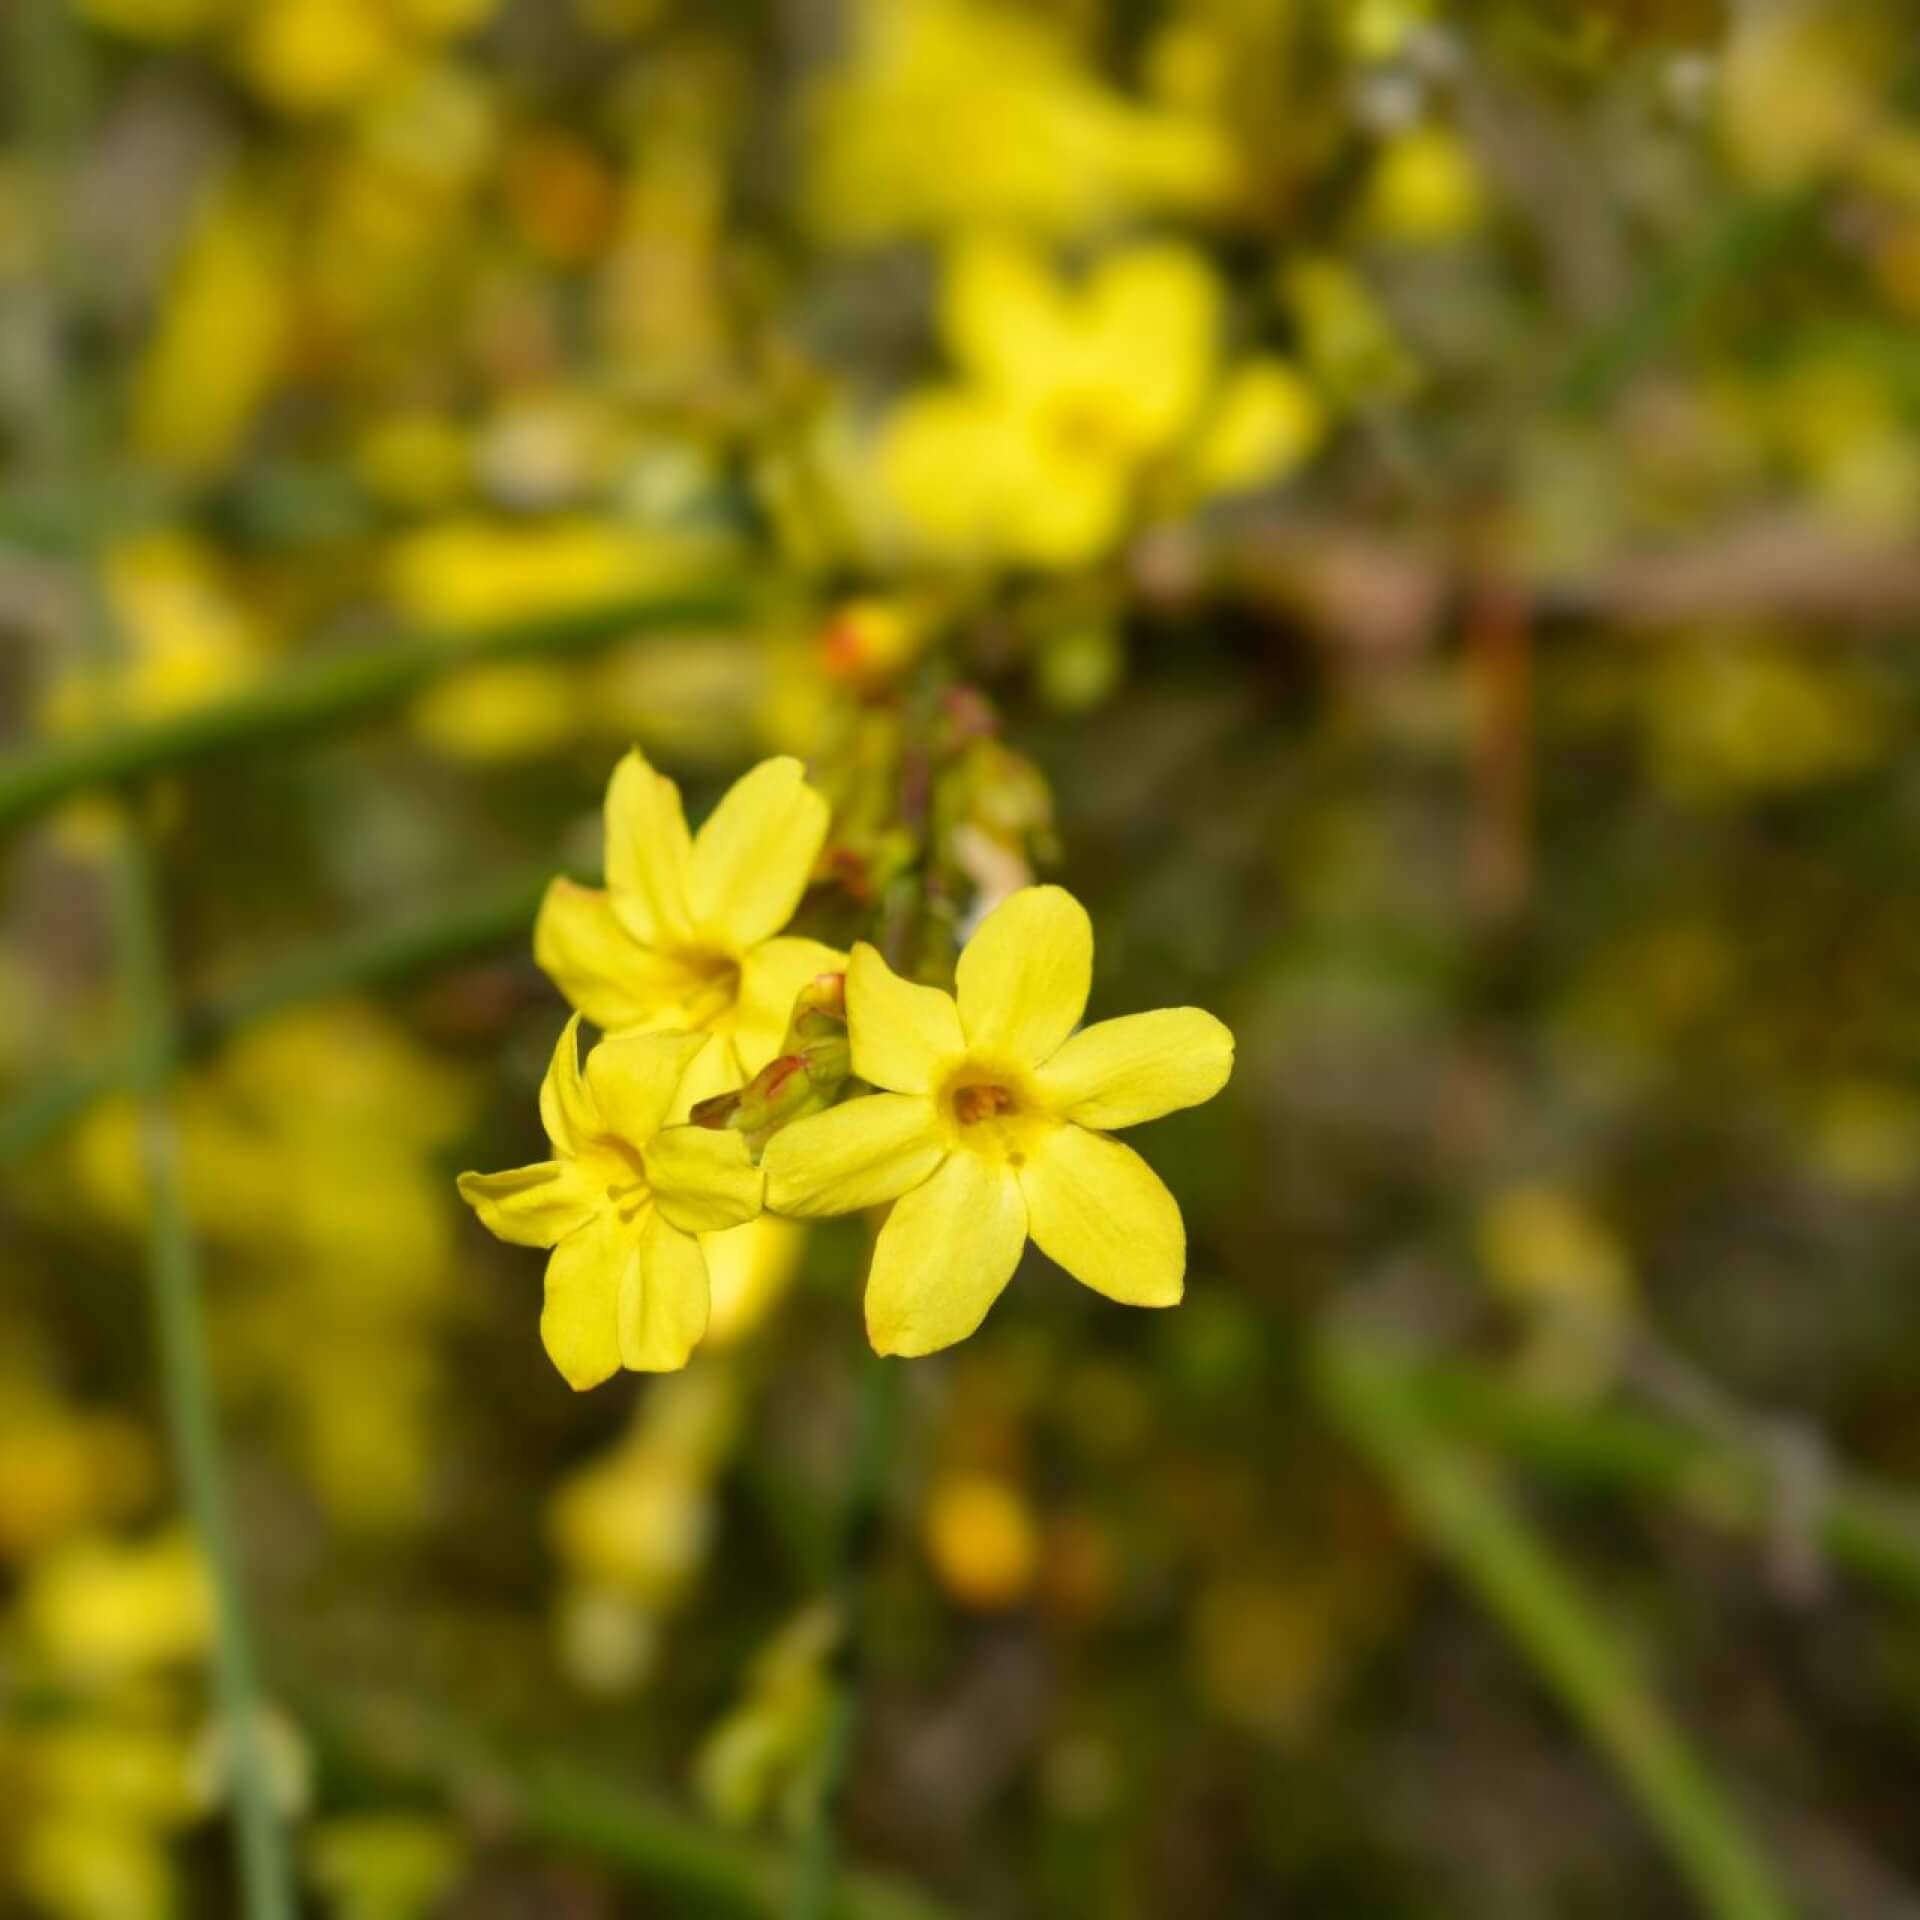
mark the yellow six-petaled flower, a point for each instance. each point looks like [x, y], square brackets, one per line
[621, 1203]
[993, 1126]
[686, 935]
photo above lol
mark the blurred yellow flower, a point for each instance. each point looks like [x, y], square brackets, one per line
[317, 56]
[749, 1270]
[79, 1865]
[1350, 344]
[695, 696]
[475, 572]
[415, 461]
[992, 1126]
[103, 1607]
[687, 931]
[1267, 420]
[61, 1469]
[1068, 397]
[763, 1746]
[312, 56]
[1550, 1255]
[951, 111]
[633, 1527]
[1865, 1135]
[515, 710]
[221, 339]
[981, 1539]
[184, 636]
[1803, 86]
[1424, 186]
[330, 1100]
[1540, 1244]
[620, 1204]
[1735, 713]
[384, 1866]
[637, 1521]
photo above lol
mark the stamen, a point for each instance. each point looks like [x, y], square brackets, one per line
[971, 1105]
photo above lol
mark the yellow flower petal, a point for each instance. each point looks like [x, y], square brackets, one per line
[530, 1206]
[947, 1250]
[663, 1300]
[853, 1156]
[584, 948]
[1266, 421]
[702, 1180]
[579, 1324]
[1154, 312]
[1117, 1073]
[771, 975]
[648, 854]
[1003, 312]
[754, 855]
[634, 1080]
[566, 1107]
[1097, 1209]
[1066, 506]
[954, 466]
[1023, 977]
[901, 1033]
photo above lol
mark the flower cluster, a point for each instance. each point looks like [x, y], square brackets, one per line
[981, 1116]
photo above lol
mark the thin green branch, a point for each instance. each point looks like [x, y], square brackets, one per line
[186, 1383]
[369, 958]
[1754, 232]
[396, 1746]
[811, 1895]
[1865, 1528]
[329, 690]
[1459, 1510]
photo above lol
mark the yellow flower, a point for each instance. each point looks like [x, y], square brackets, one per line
[620, 1204]
[1425, 187]
[1067, 393]
[991, 1127]
[221, 341]
[1072, 399]
[469, 571]
[103, 1606]
[187, 637]
[684, 936]
[950, 111]
[980, 1536]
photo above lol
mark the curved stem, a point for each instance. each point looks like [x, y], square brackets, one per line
[329, 690]
[186, 1382]
[1547, 1619]
[371, 957]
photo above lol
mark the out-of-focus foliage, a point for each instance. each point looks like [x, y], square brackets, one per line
[1407, 505]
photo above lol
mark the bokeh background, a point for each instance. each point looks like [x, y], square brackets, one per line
[1408, 508]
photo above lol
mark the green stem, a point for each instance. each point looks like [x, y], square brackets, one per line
[1753, 232]
[1463, 1518]
[367, 959]
[1866, 1528]
[186, 1383]
[402, 1748]
[811, 1895]
[329, 690]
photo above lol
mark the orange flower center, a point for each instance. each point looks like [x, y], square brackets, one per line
[973, 1104]
[991, 1108]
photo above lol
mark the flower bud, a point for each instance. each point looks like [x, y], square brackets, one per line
[805, 1076]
